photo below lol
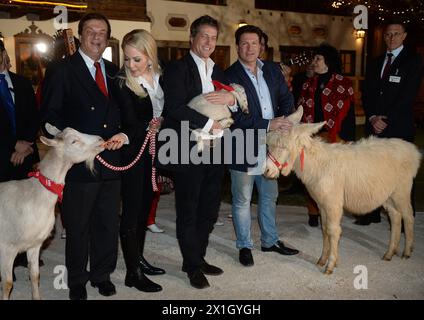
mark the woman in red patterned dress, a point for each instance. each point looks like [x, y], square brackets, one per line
[328, 96]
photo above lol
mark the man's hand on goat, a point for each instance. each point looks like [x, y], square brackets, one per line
[18, 158]
[220, 98]
[216, 127]
[378, 124]
[280, 123]
[116, 142]
[23, 146]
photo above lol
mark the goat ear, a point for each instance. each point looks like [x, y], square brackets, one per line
[295, 117]
[52, 129]
[48, 142]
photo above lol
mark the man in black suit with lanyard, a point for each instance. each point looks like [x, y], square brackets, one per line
[81, 95]
[197, 186]
[391, 84]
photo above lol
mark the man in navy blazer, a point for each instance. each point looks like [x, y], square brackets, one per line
[389, 92]
[81, 94]
[269, 101]
[18, 150]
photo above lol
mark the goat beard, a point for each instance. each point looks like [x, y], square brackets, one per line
[89, 164]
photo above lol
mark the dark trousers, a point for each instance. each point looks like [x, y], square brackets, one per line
[137, 196]
[90, 212]
[197, 201]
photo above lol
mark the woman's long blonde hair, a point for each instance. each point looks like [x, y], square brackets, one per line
[144, 42]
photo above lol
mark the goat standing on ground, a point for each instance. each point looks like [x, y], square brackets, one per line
[357, 177]
[27, 207]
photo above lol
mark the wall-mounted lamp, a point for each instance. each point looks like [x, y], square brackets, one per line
[1, 37]
[242, 23]
[360, 34]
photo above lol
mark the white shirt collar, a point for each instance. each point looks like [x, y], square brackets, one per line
[201, 63]
[395, 52]
[88, 61]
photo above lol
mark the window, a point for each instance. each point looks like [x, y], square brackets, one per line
[348, 58]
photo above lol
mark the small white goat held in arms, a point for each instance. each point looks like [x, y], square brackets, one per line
[27, 206]
[358, 177]
[220, 113]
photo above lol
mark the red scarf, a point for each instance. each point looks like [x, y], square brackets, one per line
[50, 185]
[336, 99]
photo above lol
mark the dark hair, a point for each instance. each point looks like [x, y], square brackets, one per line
[208, 20]
[331, 57]
[2, 48]
[395, 21]
[93, 16]
[248, 29]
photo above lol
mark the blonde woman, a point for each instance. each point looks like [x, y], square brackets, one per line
[141, 100]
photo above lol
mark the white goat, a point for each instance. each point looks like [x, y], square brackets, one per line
[220, 113]
[27, 207]
[357, 177]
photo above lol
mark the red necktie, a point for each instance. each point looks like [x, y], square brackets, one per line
[100, 80]
[387, 66]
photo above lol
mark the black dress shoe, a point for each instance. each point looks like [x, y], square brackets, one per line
[210, 270]
[281, 249]
[245, 257]
[138, 280]
[198, 280]
[149, 269]
[313, 220]
[106, 288]
[78, 292]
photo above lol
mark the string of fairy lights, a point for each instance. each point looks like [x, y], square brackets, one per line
[409, 11]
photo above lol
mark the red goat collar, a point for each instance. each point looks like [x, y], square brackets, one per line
[50, 185]
[218, 85]
[285, 164]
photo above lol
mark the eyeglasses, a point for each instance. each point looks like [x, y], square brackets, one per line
[393, 35]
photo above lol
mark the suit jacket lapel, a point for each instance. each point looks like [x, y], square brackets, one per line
[398, 61]
[270, 85]
[247, 84]
[16, 89]
[194, 71]
[85, 76]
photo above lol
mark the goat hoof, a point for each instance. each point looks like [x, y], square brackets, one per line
[328, 271]
[321, 263]
[406, 256]
[387, 257]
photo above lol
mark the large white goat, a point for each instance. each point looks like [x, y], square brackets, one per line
[357, 177]
[27, 207]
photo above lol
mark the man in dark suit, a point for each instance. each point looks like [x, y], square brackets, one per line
[197, 186]
[19, 123]
[81, 94]
[269, 100]
[390, 87]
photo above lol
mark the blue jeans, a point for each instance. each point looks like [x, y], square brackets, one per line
[241, 189]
